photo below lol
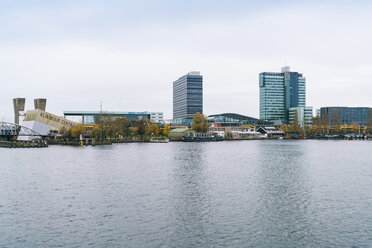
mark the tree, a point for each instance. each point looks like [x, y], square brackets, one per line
[325, 121]
[166, 130]
[200, 123]
[295, 126]
[77, 130]
[65, 132]
[143, 125]
[355, 127]
[153, 129]
[134, 131]
[121, 126]
[369, 121]
[336, 123]
[318, 124]
[97, 132]
[228, 134]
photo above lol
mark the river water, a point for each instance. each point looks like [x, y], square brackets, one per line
[227, 194]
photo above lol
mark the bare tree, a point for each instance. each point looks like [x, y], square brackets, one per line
[336, 123]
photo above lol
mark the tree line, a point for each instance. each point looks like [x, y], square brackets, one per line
[325, 125]
[117, 128]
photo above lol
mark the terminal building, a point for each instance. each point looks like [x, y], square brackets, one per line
[280, 94]
[235, 120]
[90, 117]
[347, 115]
[240, 126]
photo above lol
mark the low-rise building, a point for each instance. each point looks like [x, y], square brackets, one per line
[271, 132]
[90, 117]
[43, 122]
[304, 115]
[347, 115]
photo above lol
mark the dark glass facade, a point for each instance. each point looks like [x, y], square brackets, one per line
[188, 96]
[347, 115]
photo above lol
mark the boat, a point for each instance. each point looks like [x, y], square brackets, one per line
[159, 140]
[201, 137]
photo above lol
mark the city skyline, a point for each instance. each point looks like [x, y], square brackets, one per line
[128, 54]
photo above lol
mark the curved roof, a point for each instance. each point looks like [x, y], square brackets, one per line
[242, 118]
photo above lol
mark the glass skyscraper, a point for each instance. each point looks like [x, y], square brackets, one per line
[279, 92]
[188, 96]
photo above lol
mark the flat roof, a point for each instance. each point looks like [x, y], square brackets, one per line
[104, 113]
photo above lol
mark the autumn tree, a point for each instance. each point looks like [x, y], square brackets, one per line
[65, 132]
[153, 129]
[77, 130]
[295, 126]
[134, 131]
[228, 134]
[97, 132]
[143, 126]
[166, 130]
[200, 123]
[121, 126]
[355, 127]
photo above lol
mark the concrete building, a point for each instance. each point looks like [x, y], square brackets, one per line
[280, 91]
[43, 122]
[188, 96]
[19, 106]
[40, 103]
[38, 120]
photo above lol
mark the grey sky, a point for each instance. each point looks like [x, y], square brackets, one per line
[128, 53]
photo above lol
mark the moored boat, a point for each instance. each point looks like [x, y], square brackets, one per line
[201, 137]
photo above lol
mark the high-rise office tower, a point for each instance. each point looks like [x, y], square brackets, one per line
[281, 92]
[188, 96]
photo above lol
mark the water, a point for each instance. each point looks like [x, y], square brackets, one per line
[226, 194]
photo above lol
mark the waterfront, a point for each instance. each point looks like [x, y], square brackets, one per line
[264, 193]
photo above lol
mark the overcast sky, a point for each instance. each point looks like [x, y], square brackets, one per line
[127, 53]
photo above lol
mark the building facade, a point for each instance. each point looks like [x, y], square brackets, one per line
[304, 115]
[280, 91]
[188, 96]
[89, 117]
[347, 115]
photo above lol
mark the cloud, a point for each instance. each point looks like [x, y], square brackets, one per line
[78, 58]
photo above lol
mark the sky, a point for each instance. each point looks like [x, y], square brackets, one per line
[77, 53]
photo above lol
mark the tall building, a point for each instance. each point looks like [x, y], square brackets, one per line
[188, 96]
[281, 91]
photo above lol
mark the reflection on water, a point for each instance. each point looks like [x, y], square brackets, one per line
[284, 195]
[225, 194]
[190, 198]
